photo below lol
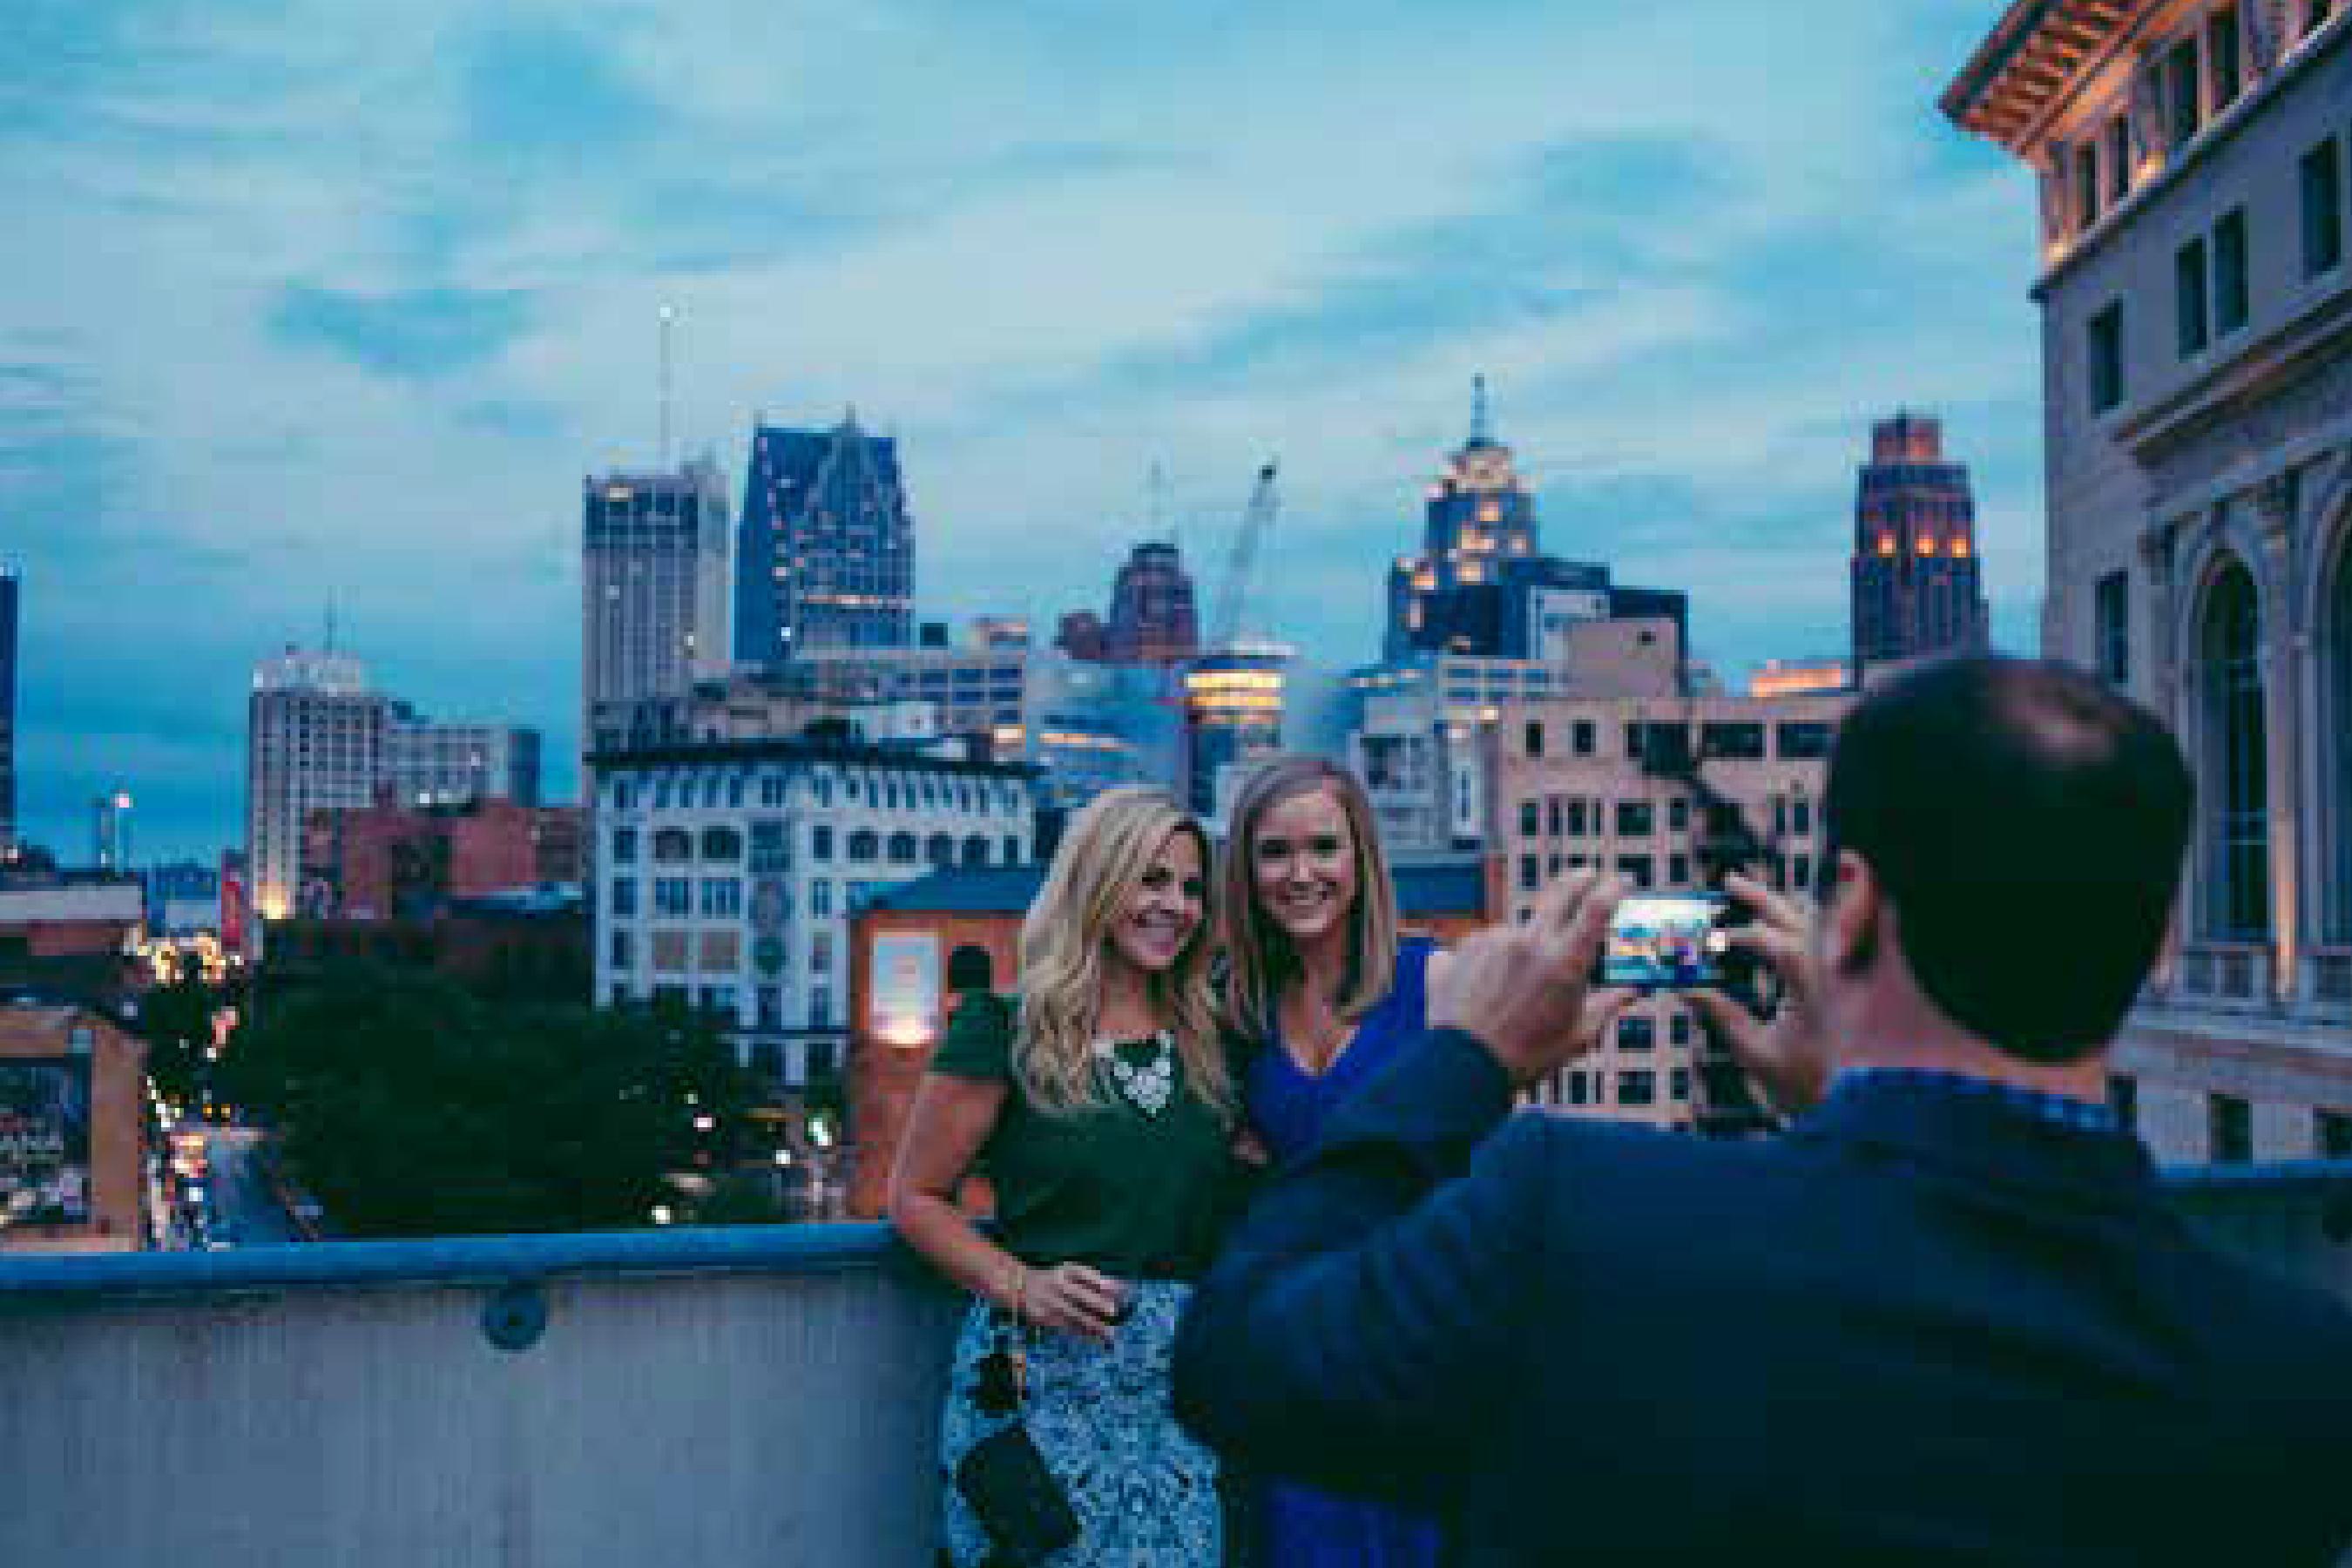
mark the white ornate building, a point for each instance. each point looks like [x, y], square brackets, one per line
[726, 873]
[2197, 342]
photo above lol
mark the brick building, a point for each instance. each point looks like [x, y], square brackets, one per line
[389, 860]
[908, 944]
[72, 1133]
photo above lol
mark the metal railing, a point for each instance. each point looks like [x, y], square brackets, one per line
[728, 1398]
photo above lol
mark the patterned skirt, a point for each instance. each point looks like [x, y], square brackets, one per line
[1145, 1494]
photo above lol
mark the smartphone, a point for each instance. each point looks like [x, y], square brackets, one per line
[1667, 941]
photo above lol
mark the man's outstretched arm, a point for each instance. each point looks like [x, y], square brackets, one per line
[1365, 1314]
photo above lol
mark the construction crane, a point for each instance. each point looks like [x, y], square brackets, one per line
[1232, 593]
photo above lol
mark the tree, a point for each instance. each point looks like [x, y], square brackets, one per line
[408, 1106]
[177, 1020]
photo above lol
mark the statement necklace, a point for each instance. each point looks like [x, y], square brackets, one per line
[1148, 1088]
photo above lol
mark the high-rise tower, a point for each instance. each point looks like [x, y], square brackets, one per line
[1915, 585]
[315, 738]
[1152, 615]
[654, 593]
[826, 557]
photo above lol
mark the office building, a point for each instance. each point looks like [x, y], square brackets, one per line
[429, 763]
[315, 739]
[1153, 619]
[1233, 718]
[654, 600]
[826, 558]
[1481, 585]
[2196, 309]
[1572, 782]
[1917, 584]
[726, 873]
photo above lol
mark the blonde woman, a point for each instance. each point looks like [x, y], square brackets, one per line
[1101, 1107]
[1324, 996]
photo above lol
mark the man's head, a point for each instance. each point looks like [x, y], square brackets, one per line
[2010, 834]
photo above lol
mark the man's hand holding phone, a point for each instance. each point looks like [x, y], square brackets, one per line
[1526, 992]
[1788, 1054]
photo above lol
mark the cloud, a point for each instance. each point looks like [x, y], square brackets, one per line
[420, 332]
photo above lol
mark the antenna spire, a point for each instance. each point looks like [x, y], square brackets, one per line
[668, 318]
[1481, 416]
[1156, 488]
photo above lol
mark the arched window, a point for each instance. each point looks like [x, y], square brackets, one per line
[721, 844]
[864, 845]
[1011, 850]
[975, 850]
[2335, 712]
[2235, 784]
[903, 849]
[940, 849]
[673, 843]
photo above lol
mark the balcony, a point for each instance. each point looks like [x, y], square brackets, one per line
[760, 1396]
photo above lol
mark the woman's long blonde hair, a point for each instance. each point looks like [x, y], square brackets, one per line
[1104, 853]
[1259, 951]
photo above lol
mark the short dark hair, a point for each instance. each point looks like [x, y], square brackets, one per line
[2028, 824]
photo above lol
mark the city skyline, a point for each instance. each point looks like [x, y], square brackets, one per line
[273, 340]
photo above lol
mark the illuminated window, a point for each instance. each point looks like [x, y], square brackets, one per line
[1959, 549]
[1926, 545]
[1886, 544]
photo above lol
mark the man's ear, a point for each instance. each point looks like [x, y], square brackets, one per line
[1849, 923]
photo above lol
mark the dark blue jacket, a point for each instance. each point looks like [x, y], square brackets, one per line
[1919, 1328]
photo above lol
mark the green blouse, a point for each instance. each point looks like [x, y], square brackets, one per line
[1106, 1185]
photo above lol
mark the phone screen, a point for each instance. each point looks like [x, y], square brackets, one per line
[1667, 940]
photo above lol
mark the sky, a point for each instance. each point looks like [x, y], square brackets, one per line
[313, 303]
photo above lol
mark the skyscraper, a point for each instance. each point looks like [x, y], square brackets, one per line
[1152, 616]
[425, 763]
[1481, 585]
[827, 553]
[314, 738]
[7, 708]
[1916, 585]
[654, 593]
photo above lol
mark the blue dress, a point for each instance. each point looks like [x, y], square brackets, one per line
[1298, 1526]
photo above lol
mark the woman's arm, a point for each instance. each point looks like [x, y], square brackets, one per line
[952, 1119]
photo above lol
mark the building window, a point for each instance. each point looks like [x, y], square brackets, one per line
[1580, 1091]
[622, 956]
[674, 896]
[820, 1010]
[2236, 773]
[821, 896]
[1636, 870]
[1679, 1080]
[1636, 819]
[2123, 1099]
[1581, 738]
[2316, 14]
[1678, 871]
[1677, 815]
[2335, 693]
[673, 844]
[770, 846]
[624, 896]
[820, 843]
[865, 845]
[2086, 183]
[821, 952]
[669, 952]
[722, 952]
[2331, 1134]
[904, 848]
[1011, 849]
[2184, 113]
[939, 849]
[1801, 873]
[625, 845]
[1802, 741]
[2192, 312]
[1576, 820]
[2104, 349]
[1801, 816]
[2119, 159]
[1531, 818]
[1533, 738]
[1739, 741]
[2229, 1129]
[1531, 873]
[768, 1003]
[1678, 1029]
[2322, 209]
[1552, 823]
[721, 844]
[722, 897]
[2229, 300]
[1637, 1032]
[1639, 1086]
[975, 850]
[2222, 57]
[2111, 627]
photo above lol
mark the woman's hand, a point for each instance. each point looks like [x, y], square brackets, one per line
[1074, 1300]
[1250, 1149]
